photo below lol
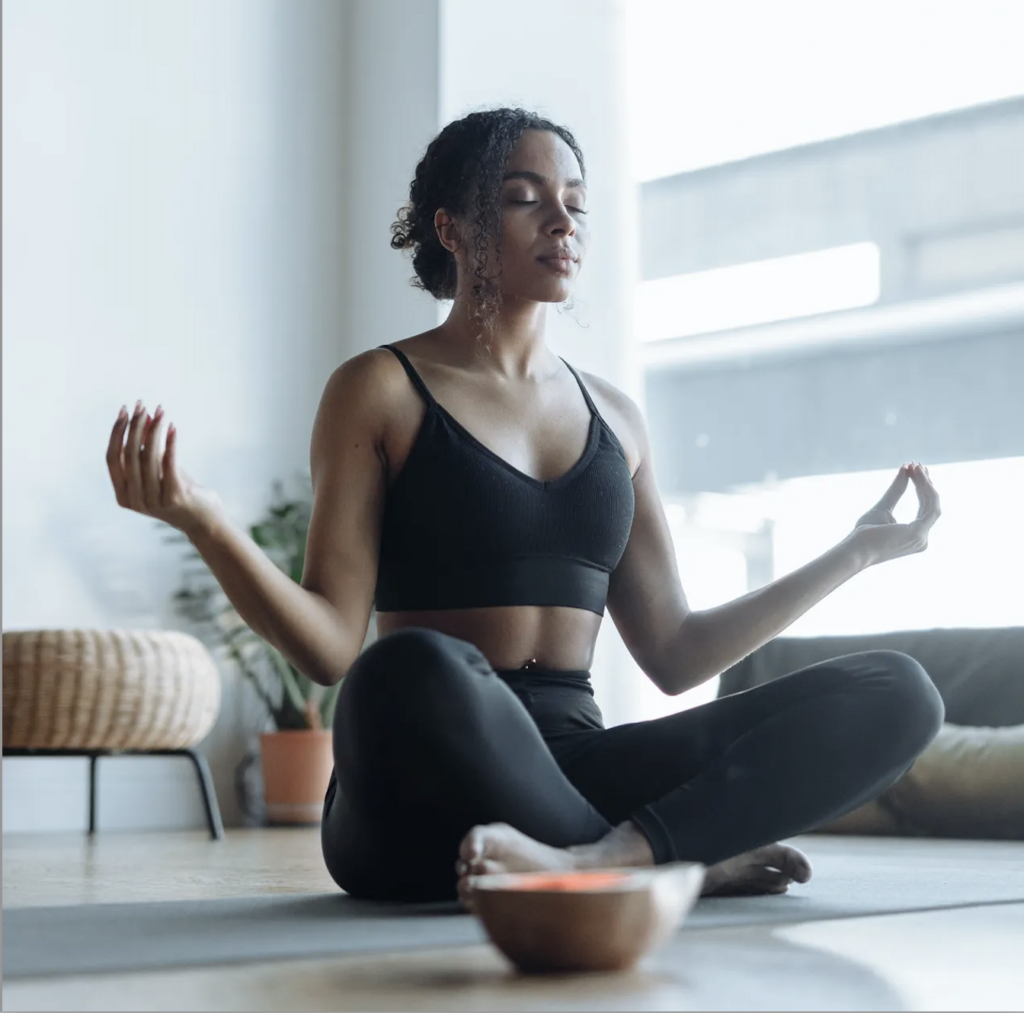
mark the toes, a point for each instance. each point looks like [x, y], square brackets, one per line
[471, 849]
[785, 859]
[772, 882]
[478, 867]
[472, 861]
[467, 894]
[793, 863]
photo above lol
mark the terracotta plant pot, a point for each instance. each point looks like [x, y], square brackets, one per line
[602, 920]
[296, 768]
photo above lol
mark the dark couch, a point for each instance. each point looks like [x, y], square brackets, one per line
[978, 672]
[969, 782]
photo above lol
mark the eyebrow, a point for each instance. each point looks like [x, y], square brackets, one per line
[536, 177]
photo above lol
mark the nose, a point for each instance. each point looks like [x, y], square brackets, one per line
[562, 223]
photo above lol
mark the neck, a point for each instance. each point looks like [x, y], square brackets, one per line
[515, 349]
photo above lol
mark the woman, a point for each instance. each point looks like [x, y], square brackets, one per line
[493, 502]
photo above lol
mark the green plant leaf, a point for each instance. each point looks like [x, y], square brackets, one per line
[328, 703]
[289, 682]
[281, 688]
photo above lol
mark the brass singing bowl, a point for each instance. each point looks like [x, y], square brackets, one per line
[597, 920]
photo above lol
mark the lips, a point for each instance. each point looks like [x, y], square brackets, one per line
[563, 265]
[560, 261]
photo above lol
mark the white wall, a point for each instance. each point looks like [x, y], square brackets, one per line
[182, 223]
[196, 208]
[567, 61]
[393, 68]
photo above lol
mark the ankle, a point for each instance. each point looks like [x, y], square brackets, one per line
[622, 846]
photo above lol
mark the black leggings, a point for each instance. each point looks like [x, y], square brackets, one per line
[429, 740]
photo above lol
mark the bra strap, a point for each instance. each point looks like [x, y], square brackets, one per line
[417, 380]
[586, 394]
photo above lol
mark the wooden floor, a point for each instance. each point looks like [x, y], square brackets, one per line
[121, 867]
[969, 958]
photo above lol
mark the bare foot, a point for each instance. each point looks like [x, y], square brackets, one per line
[770, 869]
[498, 847]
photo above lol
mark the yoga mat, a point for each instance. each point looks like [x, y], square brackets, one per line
[119, 937]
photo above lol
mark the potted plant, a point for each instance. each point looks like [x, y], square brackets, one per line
[295, 752]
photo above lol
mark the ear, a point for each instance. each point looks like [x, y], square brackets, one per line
[447, 230]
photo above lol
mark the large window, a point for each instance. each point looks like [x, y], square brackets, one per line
[710, 83]
[795, 388]
[805, 284]
[970, 575]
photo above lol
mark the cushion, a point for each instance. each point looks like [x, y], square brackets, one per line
[968, 783]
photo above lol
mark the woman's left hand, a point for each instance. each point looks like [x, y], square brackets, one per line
[877, 533]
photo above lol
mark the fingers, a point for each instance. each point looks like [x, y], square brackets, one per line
[151, 459]
[876, 515]
[136, 463]
[115, 457]
[929, 510]
[172, 477]
[896, 490]
[132, 465]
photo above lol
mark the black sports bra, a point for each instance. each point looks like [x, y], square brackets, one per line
[463, 528]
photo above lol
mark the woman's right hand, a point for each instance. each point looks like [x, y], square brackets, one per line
[146, 476]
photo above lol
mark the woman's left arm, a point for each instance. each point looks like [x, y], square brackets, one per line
[714, 639]
[679, 648]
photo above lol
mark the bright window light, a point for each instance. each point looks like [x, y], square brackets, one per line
[840, 278]
[713, 570]
[968, 576]
[709, 83]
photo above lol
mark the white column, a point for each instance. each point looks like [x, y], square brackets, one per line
[392, 109]
[566, 61]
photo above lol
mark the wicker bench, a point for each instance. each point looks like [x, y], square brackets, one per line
[96, 693]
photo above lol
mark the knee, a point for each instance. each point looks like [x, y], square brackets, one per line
[913, 700]
[412, 664]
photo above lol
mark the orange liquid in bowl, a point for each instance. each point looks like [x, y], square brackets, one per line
[567, 881]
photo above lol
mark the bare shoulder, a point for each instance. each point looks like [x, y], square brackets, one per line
[360, 397]
[366, 376]
[623, 414]
[371, 384]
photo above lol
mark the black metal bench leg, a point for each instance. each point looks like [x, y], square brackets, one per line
[92, 793]
[209, 793]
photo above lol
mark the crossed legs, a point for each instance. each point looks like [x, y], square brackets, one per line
[433, 751]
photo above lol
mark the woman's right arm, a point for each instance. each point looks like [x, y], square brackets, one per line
[320, 624]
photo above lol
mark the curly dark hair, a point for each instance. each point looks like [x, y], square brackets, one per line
[462, 169]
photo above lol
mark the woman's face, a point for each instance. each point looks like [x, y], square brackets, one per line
[544, 213]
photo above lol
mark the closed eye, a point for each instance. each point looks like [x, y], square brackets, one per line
[579, 211]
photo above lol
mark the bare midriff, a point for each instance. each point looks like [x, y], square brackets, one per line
[556, 637]
[512, 636]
